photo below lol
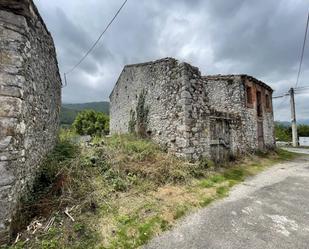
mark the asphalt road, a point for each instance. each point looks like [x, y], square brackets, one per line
[270, 210]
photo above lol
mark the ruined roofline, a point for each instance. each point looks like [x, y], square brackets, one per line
[155, 62]
[24, 8]
[213, 77]
[166, 59]
[159, 61]
[242, 76]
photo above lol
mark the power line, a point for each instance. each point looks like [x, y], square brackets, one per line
[280, 96]
[296, 91]
[302, 88]
[301, 92]
[302, 53]
[95, 43]
[283, 100]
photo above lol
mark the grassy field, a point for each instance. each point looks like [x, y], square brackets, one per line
[120, 192]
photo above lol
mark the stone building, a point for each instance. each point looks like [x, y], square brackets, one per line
[30, 98]
[194, 116]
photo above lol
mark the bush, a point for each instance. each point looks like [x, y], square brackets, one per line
[303, 130]
[283, 133]
[91, 123]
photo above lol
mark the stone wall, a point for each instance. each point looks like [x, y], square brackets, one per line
[192, 115]
[163, 83]
[228, 94]
[30, 99]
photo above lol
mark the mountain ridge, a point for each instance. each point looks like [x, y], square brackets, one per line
[69, 111]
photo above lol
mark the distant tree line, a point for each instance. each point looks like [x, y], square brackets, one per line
[70, 111]
[284, 133]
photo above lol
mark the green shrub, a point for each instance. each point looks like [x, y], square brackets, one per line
[283, 133]
[303, 130]
[91, 123]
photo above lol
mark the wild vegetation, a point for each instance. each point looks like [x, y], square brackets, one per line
[284, 133]
[67, 116]
[139, 117]
[120, 191]
[70, 111]
[90, 122]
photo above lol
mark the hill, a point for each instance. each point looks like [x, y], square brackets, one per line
[303, 121]
[288, 123]
[97, 106]
[70, 111]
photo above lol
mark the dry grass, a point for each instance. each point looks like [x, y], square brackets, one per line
[125, 191]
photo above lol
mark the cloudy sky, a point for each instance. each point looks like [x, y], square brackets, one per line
[261, 38]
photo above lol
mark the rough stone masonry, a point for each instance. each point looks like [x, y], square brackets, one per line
[193, 116]
[30, 98]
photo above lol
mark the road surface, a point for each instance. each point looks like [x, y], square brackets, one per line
[268, 211]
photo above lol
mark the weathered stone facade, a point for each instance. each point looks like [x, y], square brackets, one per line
[30, 98]
[193, 115]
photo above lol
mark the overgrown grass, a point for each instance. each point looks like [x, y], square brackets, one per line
[146, 160]
[122, 191]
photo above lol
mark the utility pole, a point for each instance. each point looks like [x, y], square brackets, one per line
[293, 117]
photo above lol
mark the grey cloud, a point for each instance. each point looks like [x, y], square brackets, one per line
[262, 38]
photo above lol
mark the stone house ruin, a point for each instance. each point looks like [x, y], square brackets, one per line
[30, 98]
[194, 116]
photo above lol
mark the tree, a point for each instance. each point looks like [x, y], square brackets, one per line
[91, 123]
[303, 130]
[283, 133]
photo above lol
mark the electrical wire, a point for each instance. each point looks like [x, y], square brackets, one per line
[283, 100]
[280, 96]
[302, 88]
[302, 53]
[95, 43]
[301, 92]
